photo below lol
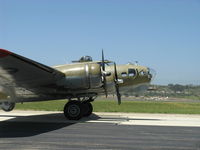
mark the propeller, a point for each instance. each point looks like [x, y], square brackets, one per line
[104, 74]
[115, 80]
[117, 84]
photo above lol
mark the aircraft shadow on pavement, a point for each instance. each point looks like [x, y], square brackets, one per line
[26, 126]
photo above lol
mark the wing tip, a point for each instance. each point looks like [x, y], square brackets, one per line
[4, 53]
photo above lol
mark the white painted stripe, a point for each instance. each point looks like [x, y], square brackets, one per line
[116, 118]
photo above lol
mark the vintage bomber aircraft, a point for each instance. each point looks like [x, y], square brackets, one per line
[25, 80]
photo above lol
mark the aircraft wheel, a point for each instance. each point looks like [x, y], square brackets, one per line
[73, 110]
[87, 109]
[7, 106]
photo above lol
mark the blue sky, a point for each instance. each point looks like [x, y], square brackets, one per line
[161, 34]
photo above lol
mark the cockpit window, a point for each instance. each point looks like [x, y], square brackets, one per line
[124, 74]
[131, 72]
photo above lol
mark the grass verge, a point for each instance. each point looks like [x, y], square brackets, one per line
[126, 106]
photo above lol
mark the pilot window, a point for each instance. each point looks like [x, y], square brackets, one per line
[124, 74]
[131, 72]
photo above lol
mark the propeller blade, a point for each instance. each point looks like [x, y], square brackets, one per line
[115, 71]
[105, 86]
[118, 95]
[117, 85]
[104, 75]
[103, 61]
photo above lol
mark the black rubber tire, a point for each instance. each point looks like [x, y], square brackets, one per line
[10, 108]
[73, 110]
[87, 109]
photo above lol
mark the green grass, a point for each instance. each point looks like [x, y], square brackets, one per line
[126, 106]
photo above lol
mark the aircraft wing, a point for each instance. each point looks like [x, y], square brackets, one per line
[18, 71]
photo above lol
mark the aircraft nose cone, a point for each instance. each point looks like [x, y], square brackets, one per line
[152, 73]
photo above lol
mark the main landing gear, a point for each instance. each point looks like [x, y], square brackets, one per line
[7, 106]
[75, 110]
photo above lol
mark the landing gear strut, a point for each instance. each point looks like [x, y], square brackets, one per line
[75, 110]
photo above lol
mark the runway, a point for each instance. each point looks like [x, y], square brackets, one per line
[33, 130]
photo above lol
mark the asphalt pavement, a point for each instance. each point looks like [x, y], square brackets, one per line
[29, 130]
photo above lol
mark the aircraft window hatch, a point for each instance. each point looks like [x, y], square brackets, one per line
[124, 74]
[131, 72]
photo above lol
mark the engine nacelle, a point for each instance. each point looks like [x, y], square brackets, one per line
[7, 98]
[82, 76]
